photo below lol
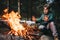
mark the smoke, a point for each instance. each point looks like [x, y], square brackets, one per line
[49, 1]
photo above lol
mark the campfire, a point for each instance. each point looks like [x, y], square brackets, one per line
[13, 21]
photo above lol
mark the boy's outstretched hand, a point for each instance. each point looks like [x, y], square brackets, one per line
[33, 18]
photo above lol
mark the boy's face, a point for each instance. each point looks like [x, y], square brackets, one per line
[45, 10]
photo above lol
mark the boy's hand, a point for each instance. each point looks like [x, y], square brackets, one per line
[33, 18]
[46, 18]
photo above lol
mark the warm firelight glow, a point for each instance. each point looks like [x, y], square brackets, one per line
[13, 20]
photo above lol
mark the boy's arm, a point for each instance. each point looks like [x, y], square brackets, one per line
[39, 19]
[51, 18]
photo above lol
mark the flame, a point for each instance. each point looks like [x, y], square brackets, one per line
[13, 20]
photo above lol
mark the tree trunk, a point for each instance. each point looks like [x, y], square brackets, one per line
[19, 6]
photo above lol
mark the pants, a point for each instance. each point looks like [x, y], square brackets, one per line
[52, 28]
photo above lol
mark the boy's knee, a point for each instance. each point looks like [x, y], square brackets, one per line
[41, 27]
[51, 23]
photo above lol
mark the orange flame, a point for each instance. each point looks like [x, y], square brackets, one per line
[13, 20]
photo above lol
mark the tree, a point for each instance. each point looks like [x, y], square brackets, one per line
[18, 6]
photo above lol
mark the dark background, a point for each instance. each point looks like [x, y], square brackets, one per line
[30, 7]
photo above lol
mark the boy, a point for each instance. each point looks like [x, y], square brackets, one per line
[47, 19]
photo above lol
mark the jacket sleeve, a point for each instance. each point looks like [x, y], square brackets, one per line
[39, 19]
[51, 17]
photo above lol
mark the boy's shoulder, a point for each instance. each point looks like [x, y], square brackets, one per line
[51, 13]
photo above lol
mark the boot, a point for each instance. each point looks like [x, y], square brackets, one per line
[56, 38]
